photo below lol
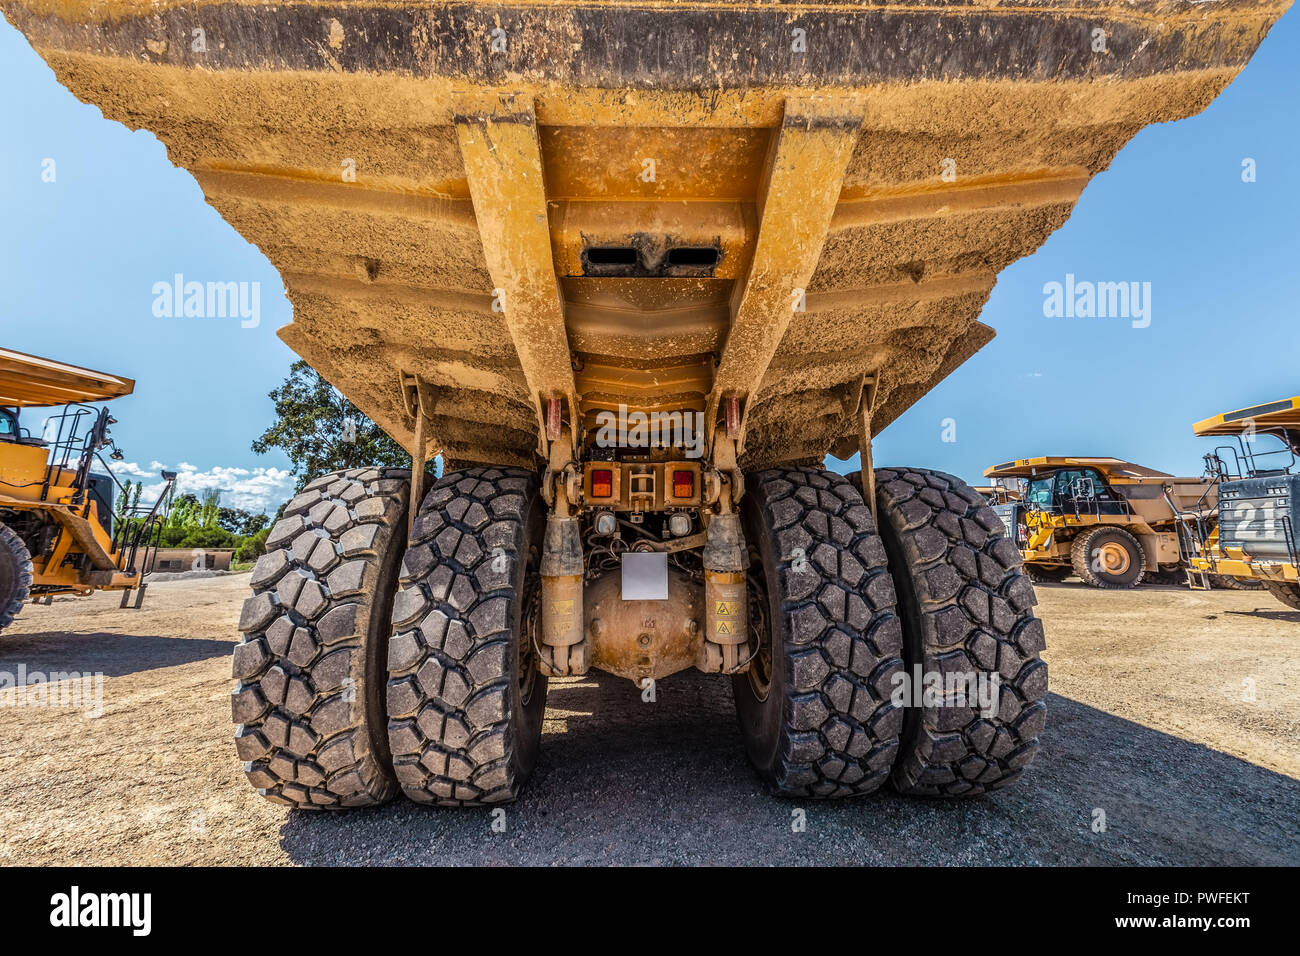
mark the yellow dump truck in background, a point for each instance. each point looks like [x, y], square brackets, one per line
[1110, 522]
[1251, 532]
[57, 531]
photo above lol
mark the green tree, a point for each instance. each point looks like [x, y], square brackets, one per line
[239, 521]
[210, 510]
[123, 500]
[321, 431]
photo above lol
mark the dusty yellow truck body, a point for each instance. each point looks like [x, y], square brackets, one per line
[516, 233]
[471, 168]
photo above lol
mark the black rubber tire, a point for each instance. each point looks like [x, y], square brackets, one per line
[1085, 546]
[1047, 574]
[1169, 576]
[15, 575]
[1286, 592]
[966, 608]
[310, 697]
[465, 701]
[1228, 583]
[823, 725]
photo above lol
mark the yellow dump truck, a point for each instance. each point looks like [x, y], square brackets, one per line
[998, 494]
[57, 531]
[1110, 522]
[634, 269]
[1251, 534]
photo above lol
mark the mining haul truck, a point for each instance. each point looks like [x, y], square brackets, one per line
[1252, 536]
[634, 269]
[1111, 522]
[63, 528]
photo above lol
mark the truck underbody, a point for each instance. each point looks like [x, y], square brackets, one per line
[525, 237]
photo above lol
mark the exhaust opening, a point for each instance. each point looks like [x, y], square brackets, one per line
[612, 256]
[698, 257]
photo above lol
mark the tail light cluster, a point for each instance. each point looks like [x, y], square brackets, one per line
[1022, 534]
[642, 486]
[683, 483]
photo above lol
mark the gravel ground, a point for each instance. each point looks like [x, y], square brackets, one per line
[1147, 724]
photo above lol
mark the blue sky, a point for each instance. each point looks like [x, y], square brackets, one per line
[79, 258]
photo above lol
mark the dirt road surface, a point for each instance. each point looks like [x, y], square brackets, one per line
[1176, 714]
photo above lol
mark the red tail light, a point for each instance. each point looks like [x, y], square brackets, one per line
[602, 483]
[683, 484]
[1022, 534]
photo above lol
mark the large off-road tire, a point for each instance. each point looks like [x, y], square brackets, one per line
[1286, 592]
[1107, 557]
[1046, 573]
[15, 575]
[465, 699]
[814, 707]
[1228, 583]
[1170, 575]
[310, 697]
[966, 609]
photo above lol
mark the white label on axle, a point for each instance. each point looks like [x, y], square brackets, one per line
[645, 576]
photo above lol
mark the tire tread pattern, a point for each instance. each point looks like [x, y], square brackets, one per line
[450, 665]
[970, 609]
[843, 638]
[307, 685]
[12, 603]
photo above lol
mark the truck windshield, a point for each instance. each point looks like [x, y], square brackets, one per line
[1040, 493]
[8, 425]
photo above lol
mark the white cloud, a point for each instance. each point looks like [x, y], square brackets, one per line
[255, 490]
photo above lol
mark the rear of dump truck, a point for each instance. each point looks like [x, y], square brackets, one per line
[634, 270]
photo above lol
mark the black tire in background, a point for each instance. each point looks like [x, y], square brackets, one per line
[15, 575]
[1090, 555]
[1048, 574]
[309, 702]
[966, 608]
[1228, 583]
[1286, 592]
[465, 699]
[814, 708]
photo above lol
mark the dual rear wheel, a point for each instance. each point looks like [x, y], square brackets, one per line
[347, 695]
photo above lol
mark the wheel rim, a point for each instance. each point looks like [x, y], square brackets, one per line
[1114, 558]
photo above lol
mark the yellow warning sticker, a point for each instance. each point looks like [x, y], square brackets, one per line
[726, 608]
[725, 627]
[564, 608]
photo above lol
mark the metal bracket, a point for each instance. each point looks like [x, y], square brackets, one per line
[859, 402]
[415, 399]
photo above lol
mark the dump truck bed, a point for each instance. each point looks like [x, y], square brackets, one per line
[29, 380]
[1282, 414]
[659, 205]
